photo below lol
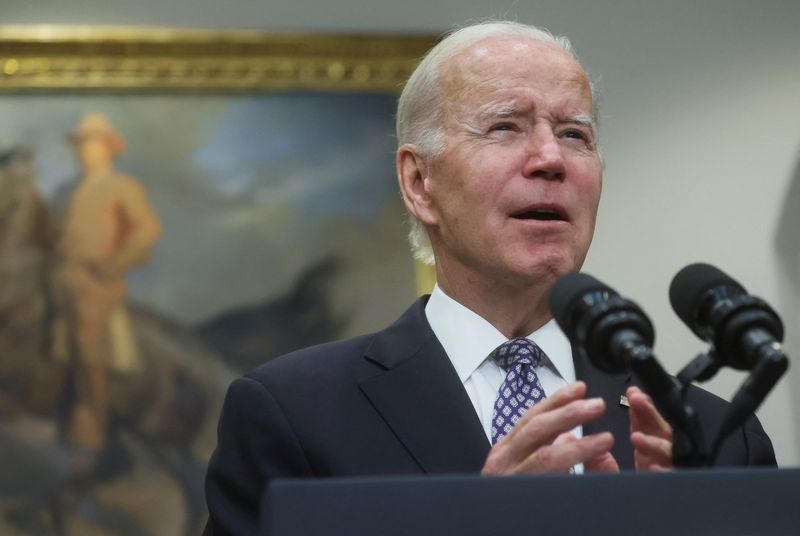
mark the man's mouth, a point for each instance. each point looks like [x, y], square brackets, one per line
[541, 214]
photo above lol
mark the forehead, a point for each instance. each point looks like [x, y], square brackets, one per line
[495, 68]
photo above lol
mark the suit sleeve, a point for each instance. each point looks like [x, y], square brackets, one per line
[759, 446]
[749, 445]
[255, 444]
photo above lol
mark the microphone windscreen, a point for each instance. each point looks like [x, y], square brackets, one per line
[689, 286]
[567, 291]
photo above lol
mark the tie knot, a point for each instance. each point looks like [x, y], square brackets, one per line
[519, 350]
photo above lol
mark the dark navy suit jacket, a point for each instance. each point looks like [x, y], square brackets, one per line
[383, 404]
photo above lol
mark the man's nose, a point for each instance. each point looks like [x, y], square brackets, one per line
[546, 157]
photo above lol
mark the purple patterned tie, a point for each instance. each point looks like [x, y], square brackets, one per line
[521, 389]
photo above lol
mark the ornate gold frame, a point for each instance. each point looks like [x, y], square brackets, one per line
[137, 59]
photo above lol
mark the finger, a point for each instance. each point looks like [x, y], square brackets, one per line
[660, 469]
[652, 446]
[651, 450]
[559, 457]
[637, 394]
[541, 425]
[644, 415]
[510, 467]
[542, 429]
[634, 417]
[566, 437]
[560, 398]
[605, 463]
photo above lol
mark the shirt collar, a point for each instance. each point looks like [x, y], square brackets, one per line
[468, 338]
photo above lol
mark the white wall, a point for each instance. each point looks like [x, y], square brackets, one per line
[701, 133]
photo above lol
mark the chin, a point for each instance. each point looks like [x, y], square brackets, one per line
[553, 264]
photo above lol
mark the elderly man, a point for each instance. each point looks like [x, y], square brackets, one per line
[499, 167]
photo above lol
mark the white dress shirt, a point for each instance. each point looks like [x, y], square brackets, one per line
[468, 340]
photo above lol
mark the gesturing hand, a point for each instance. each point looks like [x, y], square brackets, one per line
[540, 442]
[651, 435]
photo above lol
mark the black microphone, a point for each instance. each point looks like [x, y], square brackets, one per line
[744, 332]
[599, 322]
[616, 335]
[742, 328]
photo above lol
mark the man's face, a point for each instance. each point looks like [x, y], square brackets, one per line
[93, 150]
[514, 193]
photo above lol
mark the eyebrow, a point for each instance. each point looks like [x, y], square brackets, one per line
[584, 120]
[507, 110]
[502, 112]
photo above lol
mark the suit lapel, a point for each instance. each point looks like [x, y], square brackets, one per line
[421, 398]
[609, 387]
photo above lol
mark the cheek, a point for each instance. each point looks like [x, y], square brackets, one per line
[472, 179]
[592, 201]
[589, 200]
[490, 172]
[589, 184]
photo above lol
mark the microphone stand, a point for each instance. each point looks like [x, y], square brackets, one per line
[762, 379]
[688, 441]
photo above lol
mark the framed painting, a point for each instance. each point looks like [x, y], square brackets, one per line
[177, 207]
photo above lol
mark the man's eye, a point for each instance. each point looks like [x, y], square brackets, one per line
[575, 134]
[504, 127]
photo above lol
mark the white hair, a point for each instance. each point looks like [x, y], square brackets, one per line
[420, 115]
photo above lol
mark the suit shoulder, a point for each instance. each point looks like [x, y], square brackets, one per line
[750, 446]
[335, 367]
[322, 359]
[698, 395]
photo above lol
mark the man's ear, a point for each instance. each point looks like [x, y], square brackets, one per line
[412, 176]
